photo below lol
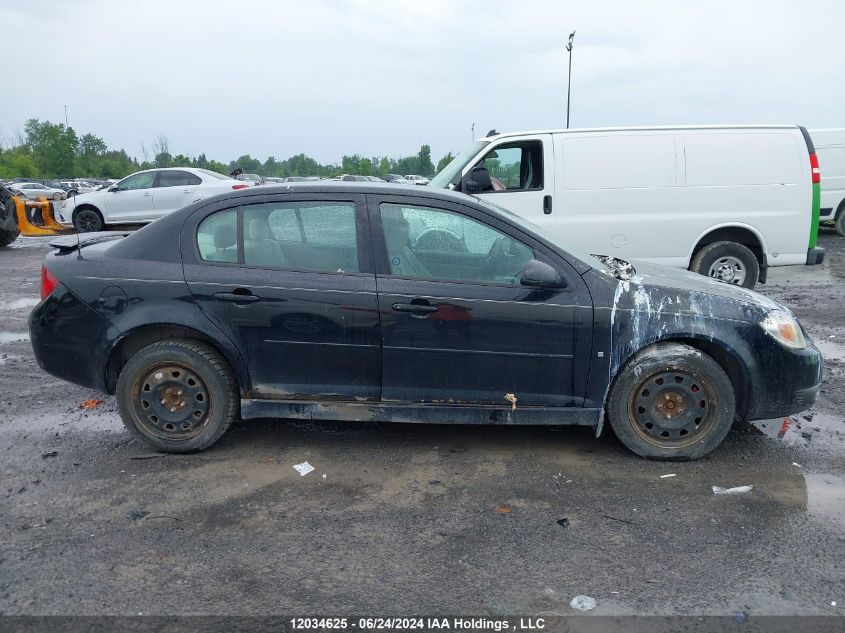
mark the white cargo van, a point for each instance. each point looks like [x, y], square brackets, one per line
[830, 147]
[725, 201]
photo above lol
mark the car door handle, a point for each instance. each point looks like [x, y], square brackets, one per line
[237, 297]
[547, 205]
[415, 308]
[148, 194]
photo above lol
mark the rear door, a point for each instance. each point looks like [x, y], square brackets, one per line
[130, 200]
[522, 175]
[175, 189]
[457, 327]
[288, 278]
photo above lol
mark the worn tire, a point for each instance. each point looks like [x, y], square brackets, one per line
[839, 222]
[704, 382]
[709, 255]
[88, 221]
[196, 362]
[7, 237]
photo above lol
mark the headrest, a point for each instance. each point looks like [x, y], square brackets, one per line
[225, 236]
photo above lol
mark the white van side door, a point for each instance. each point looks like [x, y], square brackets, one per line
[521, 176]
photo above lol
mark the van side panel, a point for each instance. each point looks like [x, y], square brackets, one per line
[618, 194]
[760, 178]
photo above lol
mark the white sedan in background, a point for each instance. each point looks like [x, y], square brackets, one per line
[143, 197]
[35, 190]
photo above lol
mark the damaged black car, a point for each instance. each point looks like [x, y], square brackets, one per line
[366, 302]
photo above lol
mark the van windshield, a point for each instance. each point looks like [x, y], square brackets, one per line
[584, 256]
[450, 175]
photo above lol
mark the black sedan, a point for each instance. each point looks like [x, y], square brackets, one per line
[354, 302]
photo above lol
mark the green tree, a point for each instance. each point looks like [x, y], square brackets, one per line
[448, 158]
[384, 166]
[53, 147]
[426, 167]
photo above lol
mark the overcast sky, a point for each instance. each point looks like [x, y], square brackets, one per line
[331, 77]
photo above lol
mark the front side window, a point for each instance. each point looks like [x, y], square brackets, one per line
[511, 167]
[144, 180]
[178, 179]
[316, 236]
[217, 237]
[429, 243]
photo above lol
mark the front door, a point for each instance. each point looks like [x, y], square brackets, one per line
[457, 327]
[521, 178]
[131, 200]
[288, 279]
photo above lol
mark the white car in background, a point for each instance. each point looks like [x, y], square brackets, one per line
[143, 197]
[35, 190]
[417, 180]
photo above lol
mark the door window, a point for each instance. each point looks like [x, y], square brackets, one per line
[178, 179]
[511, 167]
[429, 243]
[144, 180]
[318, 236]
[217, 237]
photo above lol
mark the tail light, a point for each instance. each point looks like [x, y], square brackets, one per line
[814, 166]
[241, 186]
[48, 282]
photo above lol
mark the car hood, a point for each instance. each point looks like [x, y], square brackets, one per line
[651, 287]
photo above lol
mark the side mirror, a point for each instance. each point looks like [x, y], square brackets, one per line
[113, 188]
[538, 274]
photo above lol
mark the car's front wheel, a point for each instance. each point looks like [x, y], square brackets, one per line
[839, 222]
[671, 401]
[179, 396]
[88, 221]
[57, 196]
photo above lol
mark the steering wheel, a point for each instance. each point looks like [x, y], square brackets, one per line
[442, 240]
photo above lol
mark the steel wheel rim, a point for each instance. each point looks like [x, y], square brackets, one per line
[87, 222]
[672, 408]
[728, 269]
[171, 402]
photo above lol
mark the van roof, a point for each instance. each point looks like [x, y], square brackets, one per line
[756, 126]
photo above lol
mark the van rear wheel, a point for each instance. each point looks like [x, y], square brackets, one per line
[729, 262]
[839, 222]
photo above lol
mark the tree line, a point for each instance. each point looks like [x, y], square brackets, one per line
[53, 150]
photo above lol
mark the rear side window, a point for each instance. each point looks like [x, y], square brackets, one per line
[315, 236]
[178, 179]
[217, 237]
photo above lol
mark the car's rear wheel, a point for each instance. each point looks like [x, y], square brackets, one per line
[57, 196]
[671, 402]
[179, 395]
[729, 262]
[87, 221]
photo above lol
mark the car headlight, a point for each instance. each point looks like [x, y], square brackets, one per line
[785, 329]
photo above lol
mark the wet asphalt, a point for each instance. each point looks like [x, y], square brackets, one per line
[403, 519]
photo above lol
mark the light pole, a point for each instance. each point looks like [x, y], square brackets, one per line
[569, 81]
[473, 131]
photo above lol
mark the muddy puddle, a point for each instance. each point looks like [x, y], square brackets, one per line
[13, 337]
[803, 429]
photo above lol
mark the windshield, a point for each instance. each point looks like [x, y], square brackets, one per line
[563, 245]
[450, 175]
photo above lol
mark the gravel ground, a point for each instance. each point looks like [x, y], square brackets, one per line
[414, 518]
